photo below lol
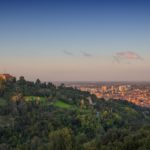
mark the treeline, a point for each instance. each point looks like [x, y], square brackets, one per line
[23, 88]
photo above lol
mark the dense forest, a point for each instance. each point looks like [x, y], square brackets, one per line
[41, 116]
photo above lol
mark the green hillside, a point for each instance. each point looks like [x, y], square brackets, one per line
[45, 117]
[62, 104]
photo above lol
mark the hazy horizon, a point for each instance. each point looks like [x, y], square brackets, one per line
[75, 40]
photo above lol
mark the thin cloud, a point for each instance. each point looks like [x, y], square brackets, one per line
[127, 55]
[86, 54]
[68, 53]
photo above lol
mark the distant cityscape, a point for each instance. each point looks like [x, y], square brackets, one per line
[135, 92]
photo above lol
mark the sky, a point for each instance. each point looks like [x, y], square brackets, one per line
[75, 40]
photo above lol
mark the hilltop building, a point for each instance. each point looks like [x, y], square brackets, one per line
[6, 77]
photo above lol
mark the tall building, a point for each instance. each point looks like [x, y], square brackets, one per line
[104, 88]
[122, 88]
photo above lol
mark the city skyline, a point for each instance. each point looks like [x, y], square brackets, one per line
[75, 40]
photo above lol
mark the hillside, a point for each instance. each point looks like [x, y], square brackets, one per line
[36, 115]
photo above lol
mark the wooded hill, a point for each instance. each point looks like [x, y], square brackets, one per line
[41, 116]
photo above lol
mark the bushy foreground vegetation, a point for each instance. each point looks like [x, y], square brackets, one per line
[40, 116]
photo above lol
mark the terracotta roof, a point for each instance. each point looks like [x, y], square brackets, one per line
[7, 76]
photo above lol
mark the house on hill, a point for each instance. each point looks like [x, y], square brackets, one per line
[6, 77]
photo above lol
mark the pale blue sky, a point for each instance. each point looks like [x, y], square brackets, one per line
[50, 40]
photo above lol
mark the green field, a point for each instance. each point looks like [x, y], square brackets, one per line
[62, 104]
[34, 98]
[58, 103]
